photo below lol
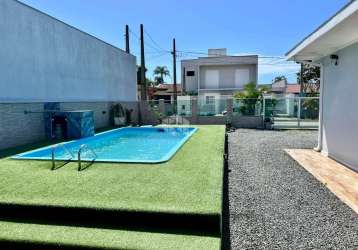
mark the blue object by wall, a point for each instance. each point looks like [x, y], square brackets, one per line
[80, 124]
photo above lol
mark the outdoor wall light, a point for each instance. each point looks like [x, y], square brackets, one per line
[335, 59]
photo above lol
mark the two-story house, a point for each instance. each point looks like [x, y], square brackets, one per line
[218, 74]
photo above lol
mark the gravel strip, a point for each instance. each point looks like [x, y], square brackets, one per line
[275, 203]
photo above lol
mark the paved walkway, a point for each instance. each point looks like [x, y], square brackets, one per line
[275, 203]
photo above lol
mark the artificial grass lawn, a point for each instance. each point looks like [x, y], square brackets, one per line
[191, 182]
[101, 238]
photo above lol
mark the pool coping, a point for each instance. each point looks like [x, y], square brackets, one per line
[163, 159]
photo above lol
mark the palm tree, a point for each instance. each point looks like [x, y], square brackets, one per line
[249, 97]
[160, 72]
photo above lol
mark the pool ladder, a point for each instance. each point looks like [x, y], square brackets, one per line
[53, 151]
[82, 148]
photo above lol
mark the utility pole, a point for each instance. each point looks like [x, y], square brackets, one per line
[183, 87]
[175, 75]
[143, 89]
[127, 39]
[301, 80]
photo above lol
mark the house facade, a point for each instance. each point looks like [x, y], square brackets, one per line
[218, 74]
[334, 48]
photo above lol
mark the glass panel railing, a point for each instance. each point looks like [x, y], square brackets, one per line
[292, 112]
[212, 106]
[247, 107]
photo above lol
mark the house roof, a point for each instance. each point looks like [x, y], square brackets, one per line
[168, 87]
[336, 33]
[293, 88]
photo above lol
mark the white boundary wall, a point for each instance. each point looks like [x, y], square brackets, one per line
[44, 59]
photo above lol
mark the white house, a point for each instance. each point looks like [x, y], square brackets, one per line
[334, 48]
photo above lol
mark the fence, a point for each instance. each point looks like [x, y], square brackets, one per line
[292, 112]
[22, 123]
[271, 112]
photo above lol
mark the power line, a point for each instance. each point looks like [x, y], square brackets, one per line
[157, 56]
[155, 43]
[156, 50]
[149, 45]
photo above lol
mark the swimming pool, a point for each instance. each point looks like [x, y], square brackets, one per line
[137, 145]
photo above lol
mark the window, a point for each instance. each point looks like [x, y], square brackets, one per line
[190, 73]
[209, 99]
[242, 77]
[212, 79]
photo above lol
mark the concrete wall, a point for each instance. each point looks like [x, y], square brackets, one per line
[18, 128]
[254, 122]
[43, 59]
[340, 107]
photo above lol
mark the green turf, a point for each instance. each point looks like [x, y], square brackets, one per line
[101, 238]
[190, 182]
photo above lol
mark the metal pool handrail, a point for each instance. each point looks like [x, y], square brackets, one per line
[82, 147]
[53, 150]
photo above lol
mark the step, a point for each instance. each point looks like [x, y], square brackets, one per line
[194, 224]
[38, 236]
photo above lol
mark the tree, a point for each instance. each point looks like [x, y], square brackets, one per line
[311, 86]
[249, 98]
[160, 72]
[279, 78]
[148, 81]
[311, 79]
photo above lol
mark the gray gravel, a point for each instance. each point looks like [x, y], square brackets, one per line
[275, 204]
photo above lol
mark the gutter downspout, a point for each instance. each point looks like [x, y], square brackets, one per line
[320, 125]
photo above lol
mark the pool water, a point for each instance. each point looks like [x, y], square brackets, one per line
[142, 145]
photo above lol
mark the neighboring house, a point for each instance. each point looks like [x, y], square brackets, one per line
[218, 74]
[279, 87]
[165, 92]
[282, 88]
[44, 60]
[293, 89]
[334, 47]
[285, 94]
[162, 91]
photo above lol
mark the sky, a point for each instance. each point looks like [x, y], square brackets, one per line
[268, 28]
